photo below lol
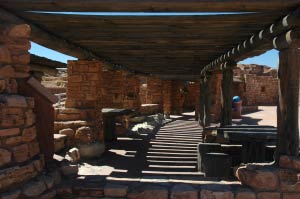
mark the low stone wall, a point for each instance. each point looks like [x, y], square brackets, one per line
[258, 181]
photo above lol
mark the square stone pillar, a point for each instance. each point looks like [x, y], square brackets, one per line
[167, 97]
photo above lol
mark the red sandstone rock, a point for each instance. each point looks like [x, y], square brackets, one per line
[115, 190]
[149, 192]
[9, 132]
[20, 153]
[48, 195]
[5, 157]
[268, 195]
[207, 194]
[30, 118]
[14, 101]
[289, 162]
[29, 134]
[291, 196]
[182, 191]
[13, 141]
[85, 135]
[19, 31]
[2, 85]
[34, 148]
[245, 194]
[258, 177]
[5, 57]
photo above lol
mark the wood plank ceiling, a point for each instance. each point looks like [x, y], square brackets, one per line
[161, 45]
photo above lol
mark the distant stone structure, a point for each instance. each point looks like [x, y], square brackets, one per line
[256, 85]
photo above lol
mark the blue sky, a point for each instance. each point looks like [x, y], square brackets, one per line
[269, 58]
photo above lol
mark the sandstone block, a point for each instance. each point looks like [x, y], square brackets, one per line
[56, 176]
[289, 162]
[268, 195]
[59, 142]
[30, 118]
[19, 31]
[68, 132]
[2, 85]
[30, 102]
[34, 148]
[13, 141]
[29, 134]
[85, 135]
[9, 132]
[291, 196]
[39, 164]
[34, 188]
[182, 191]
[5, 57]
[5, 157]
[245, 194]
[14, 101]
[258, 177]
[115, 190]
[21, 58]
[20, 153]
[149, 192]
[207, 194]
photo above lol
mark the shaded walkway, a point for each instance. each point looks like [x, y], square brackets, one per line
[168, 153]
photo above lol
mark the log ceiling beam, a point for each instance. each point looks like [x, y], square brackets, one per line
[150, 5]
[262, 41]
[47, 39]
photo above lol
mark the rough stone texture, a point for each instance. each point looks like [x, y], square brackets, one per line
[267, 195]
[5, 157]
[150, 90]
[33, 189]
[245, 194]
[85, 135]
[289, 162]
[115, 190]
[291, 196]
[182, 191]
[258, 177]
[258, 85]
[148, 192]
[207, 194]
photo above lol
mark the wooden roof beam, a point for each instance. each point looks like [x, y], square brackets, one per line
[263, 39]
[47, 39]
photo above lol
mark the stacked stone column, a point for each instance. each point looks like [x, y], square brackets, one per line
[21, 163]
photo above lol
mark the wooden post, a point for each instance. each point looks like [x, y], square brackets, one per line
[201, 103]
[288, 105]
[207, 101]
[287, 110]
[226, 100]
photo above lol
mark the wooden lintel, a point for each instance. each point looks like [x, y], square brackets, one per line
[262, 38]
[287, 40]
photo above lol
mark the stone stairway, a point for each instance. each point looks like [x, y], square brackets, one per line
[173, 150]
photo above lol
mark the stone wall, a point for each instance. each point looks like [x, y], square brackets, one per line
[121, 90]
[151, 90]
[261, 90]
[21, 164]
[256, 85]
